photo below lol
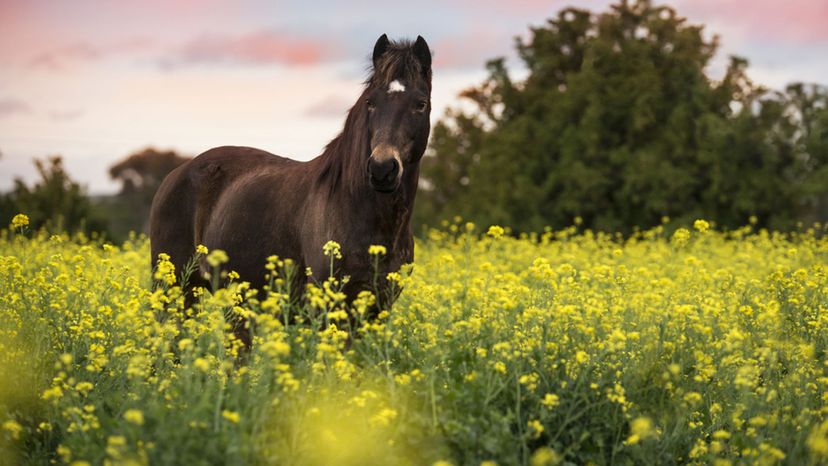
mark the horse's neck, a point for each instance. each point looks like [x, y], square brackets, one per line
[387, 216]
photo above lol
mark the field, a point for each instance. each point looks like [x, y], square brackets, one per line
[567, 347]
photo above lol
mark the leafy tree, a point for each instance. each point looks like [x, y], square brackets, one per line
[618, 123]
[140, 174]
[55, 202]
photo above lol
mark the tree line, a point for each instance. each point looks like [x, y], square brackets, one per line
[619, 124]
[58, 203]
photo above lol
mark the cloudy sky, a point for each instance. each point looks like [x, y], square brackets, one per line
[96, 80]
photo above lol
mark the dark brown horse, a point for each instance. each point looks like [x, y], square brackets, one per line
[359, 192]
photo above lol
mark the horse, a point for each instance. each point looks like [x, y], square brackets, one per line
[359, 192]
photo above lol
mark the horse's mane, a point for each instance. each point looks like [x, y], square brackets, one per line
[342, 165]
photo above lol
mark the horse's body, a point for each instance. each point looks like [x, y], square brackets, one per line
[359, 192]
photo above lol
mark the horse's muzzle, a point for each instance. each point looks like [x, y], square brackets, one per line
[384, 175]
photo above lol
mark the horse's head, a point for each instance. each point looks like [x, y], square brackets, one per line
[398, 98]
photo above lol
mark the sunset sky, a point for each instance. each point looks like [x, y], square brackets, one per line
[96, 80]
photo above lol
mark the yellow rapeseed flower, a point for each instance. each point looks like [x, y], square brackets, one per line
[231, 416]
[818, 441]
[377, 250]
[13, 428]
[19, 221]
[640, 428]
[134, 416]
[701, 225]
[545, 456]
[535, 428]
[551, 400]
[217, 257]
[495, 231]
[332, 248]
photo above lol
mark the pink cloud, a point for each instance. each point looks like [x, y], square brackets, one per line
[265, 47]
[799, 21]
[11, 106]
[61, 58]
[57, 59]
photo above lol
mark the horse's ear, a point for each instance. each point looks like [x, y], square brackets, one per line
[423, 53]
[379, 48]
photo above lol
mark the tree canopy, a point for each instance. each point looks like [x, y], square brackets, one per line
[140, 174]
[618, 123]
[54, 202]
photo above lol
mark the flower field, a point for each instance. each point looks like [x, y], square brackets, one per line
[566, 347]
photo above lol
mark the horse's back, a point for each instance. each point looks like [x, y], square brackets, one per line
[188, 194]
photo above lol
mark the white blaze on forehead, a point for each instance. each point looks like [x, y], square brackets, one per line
[396, 86]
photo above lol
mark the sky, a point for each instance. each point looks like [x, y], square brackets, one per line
[94, 81]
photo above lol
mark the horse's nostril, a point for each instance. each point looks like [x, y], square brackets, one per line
[385, 170]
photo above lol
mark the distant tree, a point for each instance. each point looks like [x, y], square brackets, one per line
[618, 123]
[54, 202]
[140, 174]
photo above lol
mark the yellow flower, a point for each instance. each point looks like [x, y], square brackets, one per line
[495, 231]
[681, 236]
[20, 221]
[202, 249]
[134, 416]
[535, 428]
[84, 387]
[64, 452]
[384, 417]
[185, 344]
[692, 398]
[13, 428]
[818, 441]
[231, 416]
[52, 393]
[377, 250]
[640, 428]
[217, 257]
[201, 364]
[551, 400]
[332, 248]
[701, 225]
[545, 456]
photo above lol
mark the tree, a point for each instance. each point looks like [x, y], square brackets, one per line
[55, 202]
[140, 174]
[618, 123]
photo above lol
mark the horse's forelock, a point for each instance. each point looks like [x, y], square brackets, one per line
[399, 63]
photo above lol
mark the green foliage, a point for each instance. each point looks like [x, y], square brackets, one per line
[618, 123]
[55, 202]
[140, 174]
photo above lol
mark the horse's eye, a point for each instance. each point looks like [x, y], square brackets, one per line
[421, 106]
